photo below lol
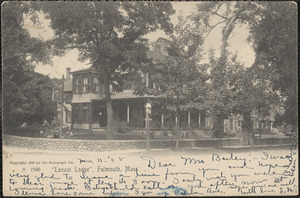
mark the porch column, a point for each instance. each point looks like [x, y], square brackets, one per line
[90, 109]
[189, 119]
[147, 79]
[199, 119]
[162, 120]
[128, 113]
[176, 121]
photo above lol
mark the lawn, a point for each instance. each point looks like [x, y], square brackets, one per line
[34, 131]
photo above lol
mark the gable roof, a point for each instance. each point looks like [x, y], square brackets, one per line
[87, 70]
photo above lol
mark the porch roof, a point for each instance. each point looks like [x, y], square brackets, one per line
[88, 97]
[124, 95]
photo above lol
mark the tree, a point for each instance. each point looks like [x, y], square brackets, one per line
[180, 79]
[19, 51]
[219, 94]
[275, 47]
[251, 95]
[109, 34]
[219, 100]
[276, 50]
[37, 104]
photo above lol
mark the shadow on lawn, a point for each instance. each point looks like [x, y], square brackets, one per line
[34, 131]
[96, 135]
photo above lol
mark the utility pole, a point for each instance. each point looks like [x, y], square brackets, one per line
[148, 107]
[61, 108]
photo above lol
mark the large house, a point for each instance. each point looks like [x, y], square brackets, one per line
[85, 108]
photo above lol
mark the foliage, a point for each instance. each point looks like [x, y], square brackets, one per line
[274, 69]
[276, 50]
[221, 68]
[51, 130]
[178, 76]
[109, 34]
[121, 127]
[220, 99]
[24, 92]
[180, 81]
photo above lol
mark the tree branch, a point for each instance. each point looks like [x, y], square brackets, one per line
[220, 15]
[213, 28]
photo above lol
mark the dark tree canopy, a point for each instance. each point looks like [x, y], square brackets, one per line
[275, 45]
[276, 50]
[109, 34]
[20, 98]
[180, 79]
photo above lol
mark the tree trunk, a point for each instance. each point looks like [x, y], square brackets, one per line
[247, 129]
[218, 119]
[218, 126]
[109, 109]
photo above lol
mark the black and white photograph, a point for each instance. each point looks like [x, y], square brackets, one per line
[149, 98]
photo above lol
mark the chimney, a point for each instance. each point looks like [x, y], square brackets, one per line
[68, 70]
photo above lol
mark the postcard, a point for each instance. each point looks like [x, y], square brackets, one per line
[149, 98]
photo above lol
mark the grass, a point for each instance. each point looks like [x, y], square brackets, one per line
[30, 131]
[101, 135]
[34, 131]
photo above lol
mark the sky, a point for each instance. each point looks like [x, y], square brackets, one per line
[237, 43]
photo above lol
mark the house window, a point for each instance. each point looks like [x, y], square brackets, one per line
[84, 113]
[95, 87]
[231, 124]
[77, 85]
[68, 116]
[77, 113]
[85, 85]
[59, 115]
[148, 80]
[95, 80]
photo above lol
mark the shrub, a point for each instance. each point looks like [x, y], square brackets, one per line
[51, 130]
[121, 127]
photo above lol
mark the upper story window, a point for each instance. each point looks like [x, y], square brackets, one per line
[77, 84]
[96, 85]
[85, 84]
[148, 81]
